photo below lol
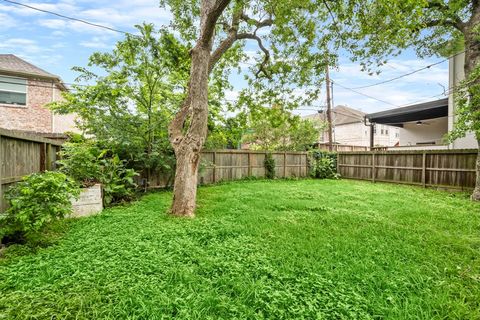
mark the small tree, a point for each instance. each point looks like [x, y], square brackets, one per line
[277, 129]
[132, 99]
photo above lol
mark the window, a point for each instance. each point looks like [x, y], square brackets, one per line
[13, 91]
[381, 132]
[386, 132]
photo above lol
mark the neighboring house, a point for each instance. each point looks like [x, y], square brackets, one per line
[425, 125]
[349, 129]
[25, 90]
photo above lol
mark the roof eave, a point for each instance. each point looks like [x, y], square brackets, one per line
[58, 81]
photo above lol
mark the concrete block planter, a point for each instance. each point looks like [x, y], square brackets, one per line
[89, 203]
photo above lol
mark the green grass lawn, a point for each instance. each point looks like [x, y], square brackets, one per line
[311, 249]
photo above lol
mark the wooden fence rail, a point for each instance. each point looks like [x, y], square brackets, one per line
[22, 154]
[342, 147]
[228, 165]
[451, 169]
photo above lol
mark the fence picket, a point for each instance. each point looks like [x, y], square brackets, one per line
[451, 169]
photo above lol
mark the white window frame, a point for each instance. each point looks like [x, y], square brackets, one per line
[26, 93]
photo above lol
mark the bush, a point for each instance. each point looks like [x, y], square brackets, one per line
[323, 165]
[87, 164]
[37, 200]
[118, 183]
[81, 161]
[269, 165]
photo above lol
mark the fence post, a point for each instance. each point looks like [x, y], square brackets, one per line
[307, 173]
[48, 157]
[285, 164]
[1, 177]
[214, 166]
[424, 169]
[249, 164]
[43, 158]
[265, 171]
[373, 166]
[338, 162]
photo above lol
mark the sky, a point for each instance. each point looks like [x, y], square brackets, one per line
[56, 45]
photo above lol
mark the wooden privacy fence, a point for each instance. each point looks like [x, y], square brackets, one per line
[22, 154]
[228, 165]
[452, 169]
[342, 147]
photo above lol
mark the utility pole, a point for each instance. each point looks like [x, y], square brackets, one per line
[329, 109]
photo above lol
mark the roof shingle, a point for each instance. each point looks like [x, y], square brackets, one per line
[12, 64]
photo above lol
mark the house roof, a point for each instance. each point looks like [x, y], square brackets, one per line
[416, 112]
[341, 115]
[13, 65]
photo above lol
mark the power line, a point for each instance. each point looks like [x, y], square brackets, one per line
[68, 18]
[402, 76]
[414, 71]
[363, 94]
[127, 33]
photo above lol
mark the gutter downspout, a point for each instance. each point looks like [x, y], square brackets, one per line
[51, 112]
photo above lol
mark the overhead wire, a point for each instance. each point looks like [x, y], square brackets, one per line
[68, 17]
[354, 89]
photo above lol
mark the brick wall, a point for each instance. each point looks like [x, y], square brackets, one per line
[34, 116]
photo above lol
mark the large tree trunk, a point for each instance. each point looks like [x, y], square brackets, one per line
[188, 129]
[472, 61]
[188, 145]
[185, 188]
[476, 191]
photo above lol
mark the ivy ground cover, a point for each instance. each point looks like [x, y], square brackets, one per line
[307, 249]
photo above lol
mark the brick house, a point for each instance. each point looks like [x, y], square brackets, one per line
[25, 90]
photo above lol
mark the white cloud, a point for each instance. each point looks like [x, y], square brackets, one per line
[116, 15]
[45, 60]
[96, 43]
[58, 33]
[22, 45]
[53, 23]
[7, 21]
[231, 95]
[63, 7]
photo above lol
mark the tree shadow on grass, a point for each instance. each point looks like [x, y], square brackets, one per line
[20, 244]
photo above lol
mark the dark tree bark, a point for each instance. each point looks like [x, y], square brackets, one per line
[188, 129]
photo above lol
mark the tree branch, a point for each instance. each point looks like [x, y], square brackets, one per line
[452, 21]
[175, 128]
[266, 58]
[259, 24]
[459, 25]
[234, 36]
[228, 41]
[212, 10]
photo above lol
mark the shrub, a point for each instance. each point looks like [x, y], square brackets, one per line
[88, 164]
[80, 161]
[37, 200]
[323, 165]
[269, 165]
[117, 180]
